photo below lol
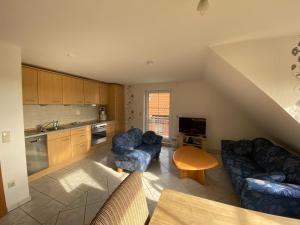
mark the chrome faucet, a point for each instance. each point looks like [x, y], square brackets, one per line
[55, 125]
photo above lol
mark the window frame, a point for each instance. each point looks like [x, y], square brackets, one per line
[146, 111]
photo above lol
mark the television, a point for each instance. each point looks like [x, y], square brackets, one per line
[192, 126]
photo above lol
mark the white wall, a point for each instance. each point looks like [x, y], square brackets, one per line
[198, 99]
[256, 103]
[12, 155]
[267, 63]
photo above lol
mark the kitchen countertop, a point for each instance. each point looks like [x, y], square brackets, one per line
[36, 133]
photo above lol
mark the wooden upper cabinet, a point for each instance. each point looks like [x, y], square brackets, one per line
[103, 93]
[91, 92]
[72, 90]
[50, 88]
[29, 85]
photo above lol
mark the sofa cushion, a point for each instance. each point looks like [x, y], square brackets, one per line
[271, 158]
[261, 142]
[149, 137]
[275, 176]
[276, 157]
[291, 168]
[243, 147]
[133, 160]
[136, 135]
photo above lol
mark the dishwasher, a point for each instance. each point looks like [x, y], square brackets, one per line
[36, 154]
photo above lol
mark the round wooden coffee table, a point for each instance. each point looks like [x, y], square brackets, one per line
[192, 162]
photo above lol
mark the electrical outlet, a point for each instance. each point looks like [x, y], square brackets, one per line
[11, 184]
[5, 136]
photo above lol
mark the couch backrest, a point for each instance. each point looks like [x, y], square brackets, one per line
[123, 140]
[271, 158]
[136, 135]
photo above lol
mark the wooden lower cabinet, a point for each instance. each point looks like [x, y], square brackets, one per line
[59, 148]
[81, 141]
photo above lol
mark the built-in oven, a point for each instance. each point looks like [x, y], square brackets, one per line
[99, 133]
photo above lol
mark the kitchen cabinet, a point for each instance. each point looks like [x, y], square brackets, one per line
[116, 107]
[29, 85]
[91, 92]
[59, 148]
[116, 103]
[103, 93]
[50, 88]
[110, 131]
[81, 141]
[72, 90]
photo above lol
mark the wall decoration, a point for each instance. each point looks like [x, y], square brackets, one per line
[129, 107]
[295, 67]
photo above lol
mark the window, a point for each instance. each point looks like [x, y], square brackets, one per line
[157, 114]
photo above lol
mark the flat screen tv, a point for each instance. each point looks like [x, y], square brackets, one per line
[192, 126]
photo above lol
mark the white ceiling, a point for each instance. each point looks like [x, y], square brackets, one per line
[111, 40]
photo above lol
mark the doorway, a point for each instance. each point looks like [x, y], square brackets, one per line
[157, 112]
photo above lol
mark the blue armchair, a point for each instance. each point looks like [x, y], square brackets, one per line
[133, 150]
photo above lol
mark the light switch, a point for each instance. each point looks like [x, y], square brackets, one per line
[5, 136]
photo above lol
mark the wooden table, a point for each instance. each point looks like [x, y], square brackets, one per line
[175, 208]
[192, 162]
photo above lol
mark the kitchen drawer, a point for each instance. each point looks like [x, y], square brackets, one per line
[58, 134]
[81, 130]
[80, 149]
[79, 138]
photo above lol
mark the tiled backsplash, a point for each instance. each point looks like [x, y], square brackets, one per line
[35, 114]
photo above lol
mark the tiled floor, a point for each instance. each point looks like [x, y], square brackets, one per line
[73, 195]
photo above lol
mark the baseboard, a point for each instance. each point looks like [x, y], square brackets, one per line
[14, 206]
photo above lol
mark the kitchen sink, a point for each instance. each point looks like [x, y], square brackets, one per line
[50, 129]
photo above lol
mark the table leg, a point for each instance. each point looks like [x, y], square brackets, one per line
[198, 175]
[201, 177]
[183, 174]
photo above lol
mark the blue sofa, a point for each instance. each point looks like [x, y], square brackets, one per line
[265, 176]
[134, 150]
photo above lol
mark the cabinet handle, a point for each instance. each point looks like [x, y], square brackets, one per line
[82, 135]
[66, 139]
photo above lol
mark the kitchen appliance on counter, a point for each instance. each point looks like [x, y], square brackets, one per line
[99, 133]
[36, 153]
[102, 114]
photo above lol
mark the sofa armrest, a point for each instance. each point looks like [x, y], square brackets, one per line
[158, 139]
[272, 188]
[226, 144]
[270, 197]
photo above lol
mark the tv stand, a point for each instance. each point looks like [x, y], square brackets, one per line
[199, 141]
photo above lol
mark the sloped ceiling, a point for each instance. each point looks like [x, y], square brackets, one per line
[111, 40]
[253, 100]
